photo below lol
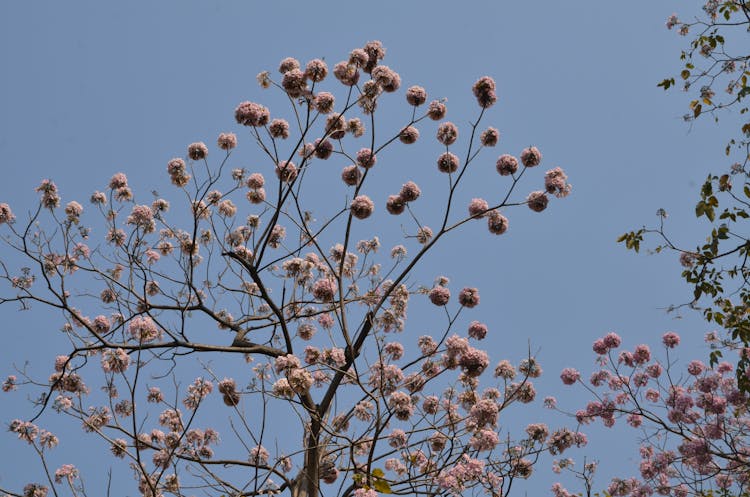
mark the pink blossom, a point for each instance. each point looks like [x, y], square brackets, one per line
[436, 111]
[497, 223]
[395, 204]
[6, 215]
[505, 370]
[98, 198]
[416, 96]
[555, 182]
[355, 127]
[687, 259]
[365, 492]
[119, 180]
[256, 196]
[324, 102]
[279, 128]
[424, 234]
[468, 297]
[227, 141]
[409, 135]
[448, 163]
[483, 414]
[324, 289]
[346, 73]
[294, 83]
[478, 208]
[409, 192]
[641, 354]
[366, 158]
[489, 137]
[9, 384]
[142, 217]
[259, 456]
[300, 380]
[386, 78]
[569, 376]
[484, 91]
[397, 439]
[362, 207]
[326, 321]
[286, 363]
[473, 362]
[484, 440]
[316, 70]
[447, 133]
[439, 295]
[143, 329]
[559, 491]
[375, 52]
[430, 404]
[288, 64]
[286, 171]
[477, 330]
[115, 361]
[73, 210]
[351, 175]
[696, 367]
[50, 197]
[670, 339]
[506, 165]
[323, 148]
[251, 114]
[400, 404]
[531, 157]
[197, 151]
[394, 349]
[37, 490]
[537, 201]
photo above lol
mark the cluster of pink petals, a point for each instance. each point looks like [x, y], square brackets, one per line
[362, 207]
[324, 289]
[497, 223]
[439, 295]
[227, 141]
[6, 215]
[251, 114]
[197, 151]
[484, 91]
[468, 297]
[531, 157]
[416, 96]
[489, 137]
[447, 133]
[506, 165]
[537, 201]
[556, 183]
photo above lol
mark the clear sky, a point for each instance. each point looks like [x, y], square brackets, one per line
[90, 88]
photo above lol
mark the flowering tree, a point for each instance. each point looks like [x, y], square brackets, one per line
[716, 63]
[693, 424]
[328, 400]
[716, 60]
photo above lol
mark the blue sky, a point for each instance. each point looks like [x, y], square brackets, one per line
[92, 88]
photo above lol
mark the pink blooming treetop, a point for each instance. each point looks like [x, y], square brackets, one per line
[692, 418]
[254, 290]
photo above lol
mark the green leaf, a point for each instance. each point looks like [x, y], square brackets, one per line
[382, 486]
[685, 74]
[379, 483]
[666, 83]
